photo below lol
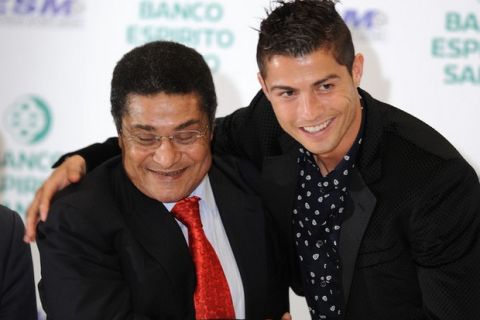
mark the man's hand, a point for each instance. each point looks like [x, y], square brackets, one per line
[70, 171]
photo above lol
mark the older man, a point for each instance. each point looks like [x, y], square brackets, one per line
[161, 232]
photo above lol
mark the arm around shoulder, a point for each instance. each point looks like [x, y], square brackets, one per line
[94, 154]
[70, 168]
[250, 133]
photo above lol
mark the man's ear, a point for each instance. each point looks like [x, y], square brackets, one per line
[211, 131]
[357, 69]
[264, 85]
[120, 141]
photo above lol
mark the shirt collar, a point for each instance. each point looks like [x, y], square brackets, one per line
[203, 191]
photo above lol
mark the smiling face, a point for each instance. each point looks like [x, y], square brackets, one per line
[170, 171]
[315, 100]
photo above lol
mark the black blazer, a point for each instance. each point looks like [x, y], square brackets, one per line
[17, 287]
[410, 240]
[109, 252]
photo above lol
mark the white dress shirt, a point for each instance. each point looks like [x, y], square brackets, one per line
[215, 233]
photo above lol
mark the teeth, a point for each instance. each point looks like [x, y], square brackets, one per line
[168, 173]
[318, 127]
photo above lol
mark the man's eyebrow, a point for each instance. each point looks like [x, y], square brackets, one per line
[145, 127]
[327, 78]
[281, 87]
[316, 83]
[181, 126]
[187, 124]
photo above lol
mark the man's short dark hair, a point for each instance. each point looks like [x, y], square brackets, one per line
[161, 67]
[299, 27]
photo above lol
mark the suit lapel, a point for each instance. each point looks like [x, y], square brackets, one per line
[279, 178]
[243, 221]
[158, 233]
[353, 228]
[279, 175]
[363, 201]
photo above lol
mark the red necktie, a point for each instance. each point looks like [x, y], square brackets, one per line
[212, 294]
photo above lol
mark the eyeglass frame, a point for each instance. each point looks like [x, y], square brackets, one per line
[157, 139]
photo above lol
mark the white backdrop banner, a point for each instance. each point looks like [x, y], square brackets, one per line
[57, 57]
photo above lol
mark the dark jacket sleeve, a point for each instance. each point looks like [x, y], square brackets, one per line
[17, 287]
[81, 270]
[446, 243]
[249, 133]
[94, 154]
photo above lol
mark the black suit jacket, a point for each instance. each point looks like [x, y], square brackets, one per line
[109, 252]
[410, 239]
[17, 287]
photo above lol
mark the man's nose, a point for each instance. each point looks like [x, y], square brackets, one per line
[166, 155]
[310, 106]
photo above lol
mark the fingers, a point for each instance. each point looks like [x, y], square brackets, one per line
[75, 167]
[286, 316]
[43, 197]
[38, 208]
[32, 219]
[70, 171]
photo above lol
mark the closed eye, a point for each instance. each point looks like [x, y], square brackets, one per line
[145, 139]
[185, 137]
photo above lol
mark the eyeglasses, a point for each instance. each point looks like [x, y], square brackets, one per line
[179, 138]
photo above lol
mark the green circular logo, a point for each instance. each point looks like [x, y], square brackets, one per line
[28, 120]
